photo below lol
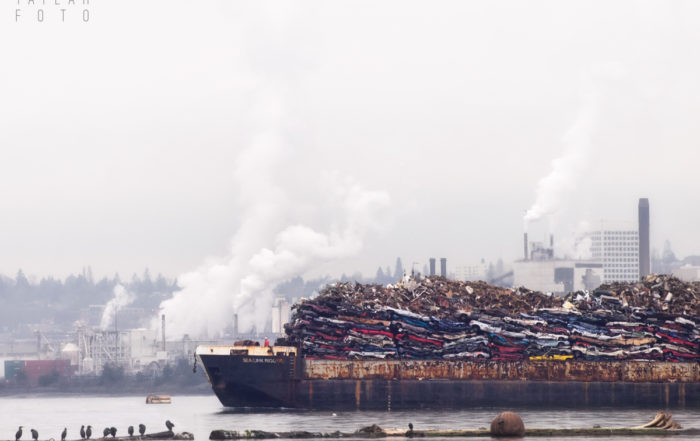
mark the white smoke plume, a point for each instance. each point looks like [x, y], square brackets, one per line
[555, 189]
[275, 240]
[568, 170]
[272, 244]
[122, 297]
[576, 244]
[243, 282]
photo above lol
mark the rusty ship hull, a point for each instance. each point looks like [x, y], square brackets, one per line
[269, 378]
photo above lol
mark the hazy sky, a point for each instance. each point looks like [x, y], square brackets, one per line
[124, 139]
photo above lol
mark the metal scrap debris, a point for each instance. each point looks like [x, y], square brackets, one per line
[428, 318]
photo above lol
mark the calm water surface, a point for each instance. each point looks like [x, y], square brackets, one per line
[202, 414]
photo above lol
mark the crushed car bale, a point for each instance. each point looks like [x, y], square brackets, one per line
[432, 318]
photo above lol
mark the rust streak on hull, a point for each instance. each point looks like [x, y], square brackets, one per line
[529, 370]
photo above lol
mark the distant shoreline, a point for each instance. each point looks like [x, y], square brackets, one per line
[125, 389]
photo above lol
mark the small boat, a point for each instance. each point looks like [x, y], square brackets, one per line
[158, 399]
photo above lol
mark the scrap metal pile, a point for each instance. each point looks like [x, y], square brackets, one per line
[432, 318]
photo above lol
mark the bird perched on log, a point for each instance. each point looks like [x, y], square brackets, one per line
[82, 432]
[130, 430]
[35, 434]
[88, 432]
[18, 434]
[105, 432]
[142, 429]
[169, 425]
[63, 434]
[113, 431]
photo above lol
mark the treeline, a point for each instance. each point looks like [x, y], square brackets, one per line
[175, 377]
[61, 302]
[57, 304]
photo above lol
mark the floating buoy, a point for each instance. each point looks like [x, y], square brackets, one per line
[507, 424]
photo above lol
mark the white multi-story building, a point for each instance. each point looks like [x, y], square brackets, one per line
[616, 245]
[475, 271]
[689, 273]
[558, 276]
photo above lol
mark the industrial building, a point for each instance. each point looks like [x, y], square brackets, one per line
[132, 349]
[474, 271]
[619, 252]
[541, 271]
[616, 245]
[689, 273]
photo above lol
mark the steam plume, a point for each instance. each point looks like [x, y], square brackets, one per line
[269, 247]
[243, 282]
[273, 242]
[122, 297]
[568, 170]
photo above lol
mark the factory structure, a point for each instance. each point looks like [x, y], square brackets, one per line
[618, 251]
[89, 350]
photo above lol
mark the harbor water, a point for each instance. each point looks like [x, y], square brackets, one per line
[202, 414]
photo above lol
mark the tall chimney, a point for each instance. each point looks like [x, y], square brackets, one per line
[525, 246]
[162, 320]
[644, 255]
[551, 241]
[432, 266]
[235, 325]
[443, 267]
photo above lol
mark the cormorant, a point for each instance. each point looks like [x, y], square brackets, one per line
[105, 432]
[35, 434]
[82, 432]
[130, 430]
[88, 432]
[18, 435]
[142, 429]
[113, 431]
[63, 434]
[169, 425]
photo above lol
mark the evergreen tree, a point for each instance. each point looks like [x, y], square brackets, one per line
[398, 271]
[379, 278]
[21, 281]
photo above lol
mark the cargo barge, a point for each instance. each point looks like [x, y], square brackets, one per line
[281, 377]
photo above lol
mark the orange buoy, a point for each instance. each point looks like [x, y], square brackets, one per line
[507, 424]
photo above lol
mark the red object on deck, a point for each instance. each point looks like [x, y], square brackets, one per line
[267, 343]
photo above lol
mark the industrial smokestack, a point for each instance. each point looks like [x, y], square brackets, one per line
[644, 255]
[432, 266]
[551, 241]
[443, 267]
[235, 325]
[525, 245]
[162, 320]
